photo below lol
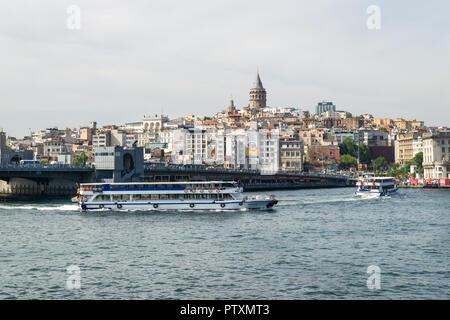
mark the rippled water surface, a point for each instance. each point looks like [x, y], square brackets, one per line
[316, 244]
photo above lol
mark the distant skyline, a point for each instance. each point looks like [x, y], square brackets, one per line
[131, 59]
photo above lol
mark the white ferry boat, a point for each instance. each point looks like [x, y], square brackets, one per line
[211, 195]
[375, 186]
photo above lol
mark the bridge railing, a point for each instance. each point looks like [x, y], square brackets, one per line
[27, 167]
[181, 168]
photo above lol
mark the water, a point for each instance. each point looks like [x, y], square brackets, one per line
[317, 244]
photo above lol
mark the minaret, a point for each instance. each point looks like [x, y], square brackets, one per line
[257, 95]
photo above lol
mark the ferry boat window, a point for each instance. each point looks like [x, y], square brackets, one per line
[121, 197]
[101, 198]
[164, 196]
[174, 196]
[137, 197]
[145, 196]
[155, 196]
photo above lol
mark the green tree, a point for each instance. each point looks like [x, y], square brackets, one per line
[380, 163]
[418, 161]
[364, 154]
[348, 147]
[383, 129]
[44, 161]
[347, 161]
[80, 160]
[348, 115]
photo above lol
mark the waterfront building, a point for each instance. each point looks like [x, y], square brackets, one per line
[102, 139]
[154, 151]
[387, 152]
[404, 150]
[340, 134]
[352, 123]
[322, 156]
[325, 106]
[383, 123]
[291, 154]
[86, 134]
[312, 136]
[403, 124]
[436, 154]
[417, 145]
[372, 137]
[154, 124]
[54, 148]
[190, 145]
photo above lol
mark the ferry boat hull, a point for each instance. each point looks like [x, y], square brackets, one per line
[374, 194]
[186, 196]
[373, 187]
[186, 206]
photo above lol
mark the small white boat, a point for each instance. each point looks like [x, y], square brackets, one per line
[375, 186]
[201, 195]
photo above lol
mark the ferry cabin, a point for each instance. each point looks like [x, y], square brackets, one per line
[376, 186]
[173, 195]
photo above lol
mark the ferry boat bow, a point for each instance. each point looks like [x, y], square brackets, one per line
[375, 186]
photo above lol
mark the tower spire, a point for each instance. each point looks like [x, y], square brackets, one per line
[258, 84]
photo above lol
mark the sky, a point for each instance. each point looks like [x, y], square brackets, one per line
[134, 58]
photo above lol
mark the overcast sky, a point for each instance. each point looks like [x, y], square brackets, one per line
[135, 58]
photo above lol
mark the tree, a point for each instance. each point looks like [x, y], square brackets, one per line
[44, 161]
[418, 160]
[380, 163]
[383, 129]
[364, 154]
[348, 147]
[347, 161]
[348, 115]
[80, 160]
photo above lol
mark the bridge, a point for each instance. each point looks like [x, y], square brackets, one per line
[25, 180]
[18, 180]
[252, 180]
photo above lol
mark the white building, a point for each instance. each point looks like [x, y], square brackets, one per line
[417, 145]
[436, 154]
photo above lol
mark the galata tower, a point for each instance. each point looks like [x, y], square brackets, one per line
[257, 95]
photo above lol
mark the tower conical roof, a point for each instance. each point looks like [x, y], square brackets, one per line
[258, 84]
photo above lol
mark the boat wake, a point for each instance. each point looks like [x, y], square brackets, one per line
[64, 207]
[293, 202]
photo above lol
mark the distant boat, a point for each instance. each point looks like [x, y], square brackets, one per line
[375, 186]
[201, 195]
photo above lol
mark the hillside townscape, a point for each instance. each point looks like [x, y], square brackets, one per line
[256, 137]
